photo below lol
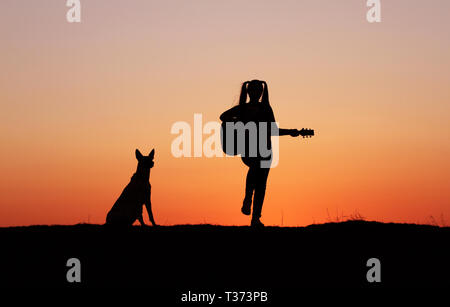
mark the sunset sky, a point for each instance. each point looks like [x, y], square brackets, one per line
[78, 98]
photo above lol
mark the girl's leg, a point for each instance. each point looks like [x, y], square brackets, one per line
[249, 188]
[260, 191]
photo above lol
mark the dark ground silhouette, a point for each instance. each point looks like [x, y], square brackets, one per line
[205, 256]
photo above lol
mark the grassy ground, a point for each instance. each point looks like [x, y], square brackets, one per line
[209, 256]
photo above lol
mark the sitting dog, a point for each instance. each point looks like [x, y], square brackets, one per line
[128, 208]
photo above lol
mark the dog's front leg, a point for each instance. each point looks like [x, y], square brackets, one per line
[141, 220]
[148, 205]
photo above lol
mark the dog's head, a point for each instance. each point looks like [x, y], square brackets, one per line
[145, 161]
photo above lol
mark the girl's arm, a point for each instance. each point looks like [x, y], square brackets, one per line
[230, 115]
[281, 131]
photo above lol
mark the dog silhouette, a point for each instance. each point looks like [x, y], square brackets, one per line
[128, 207]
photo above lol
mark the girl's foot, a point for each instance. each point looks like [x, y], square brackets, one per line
[257, 223]
[247, 206]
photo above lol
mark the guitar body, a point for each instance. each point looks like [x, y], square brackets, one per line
[224, 133]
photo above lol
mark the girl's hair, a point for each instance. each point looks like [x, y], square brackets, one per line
[265, 95]
[254, 84]
[243, 96]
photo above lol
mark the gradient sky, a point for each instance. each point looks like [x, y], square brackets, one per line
[77, 99]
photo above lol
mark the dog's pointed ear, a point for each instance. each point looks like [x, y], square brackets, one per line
[138, 154]
[152, 154]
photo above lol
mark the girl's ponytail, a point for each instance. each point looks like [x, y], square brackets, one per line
[265, 95]
[243, 97]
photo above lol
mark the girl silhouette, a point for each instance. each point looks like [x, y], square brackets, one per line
[257, 110]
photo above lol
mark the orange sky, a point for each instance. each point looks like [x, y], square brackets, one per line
[77, 99]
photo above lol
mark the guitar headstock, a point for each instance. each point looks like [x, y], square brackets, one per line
[306, 133]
